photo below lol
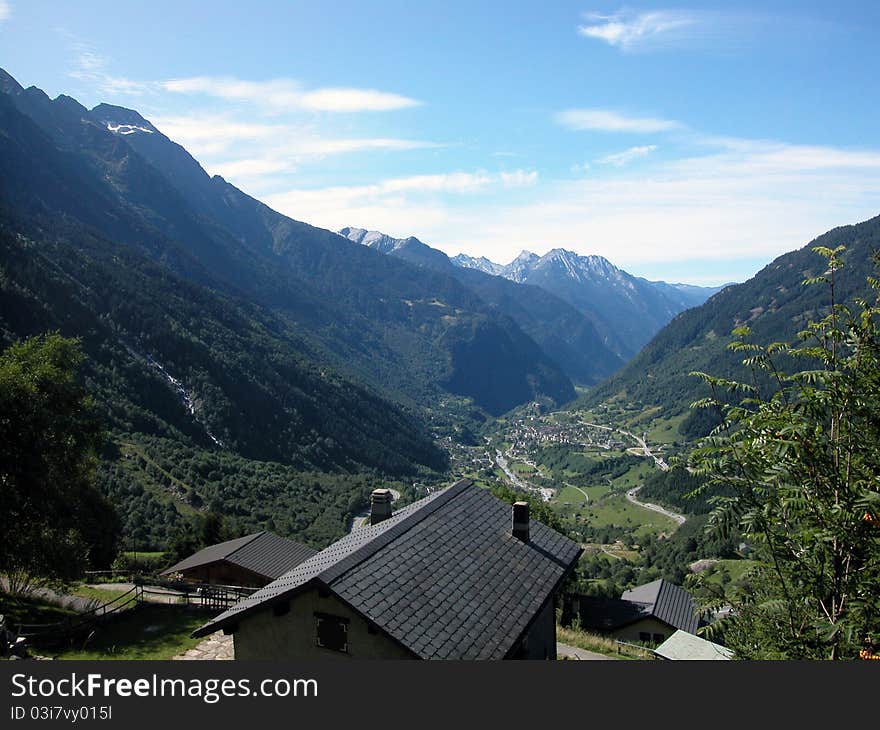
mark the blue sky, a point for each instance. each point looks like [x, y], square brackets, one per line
[688, 142]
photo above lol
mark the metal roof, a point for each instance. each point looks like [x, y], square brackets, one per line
[659, 599]
[608, 614]
[444, 577]
[263, 553]
[667, 602]
[684, 646]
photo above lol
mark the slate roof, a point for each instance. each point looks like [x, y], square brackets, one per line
[263, 553]
[444, 577]
[659, 599]
[684, 646]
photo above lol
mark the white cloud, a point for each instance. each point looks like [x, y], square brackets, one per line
[205, 127]
[250, 168]
[355, 100]
[758, 202]
[414, 198]
[92, 67]
[619, 159]
[285, 94]
[243, 151]
[5, 10]
[741, 202]
[629, 30]
[605, 120]
[519, 178]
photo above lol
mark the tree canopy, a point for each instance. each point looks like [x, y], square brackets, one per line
[53, 519]
[799, 473]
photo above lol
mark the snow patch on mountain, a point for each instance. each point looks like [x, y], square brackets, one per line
[127, 128]
[483, 264]
[373, 239]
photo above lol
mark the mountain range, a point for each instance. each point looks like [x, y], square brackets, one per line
[406, 333]
[625, 310]
[254, 364]
[213, 324]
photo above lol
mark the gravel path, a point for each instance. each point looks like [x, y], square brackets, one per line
[217, 647]
[574, 652]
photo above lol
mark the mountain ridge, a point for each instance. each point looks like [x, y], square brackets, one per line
[565, 334]
[774, 303]
[625, 310]
[127, 180]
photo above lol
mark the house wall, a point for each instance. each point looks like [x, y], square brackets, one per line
[649, 625]
[540, 641]
[262, 635]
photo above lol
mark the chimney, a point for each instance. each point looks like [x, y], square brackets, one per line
[521, 521]
[380, 505]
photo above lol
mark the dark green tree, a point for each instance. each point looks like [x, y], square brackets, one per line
[53, 520]
[797, 469]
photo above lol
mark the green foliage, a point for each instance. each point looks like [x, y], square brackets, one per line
[53, 520]
[538, 510]
[799, 467]
[148, 632]
[164, 487]
[677, 488]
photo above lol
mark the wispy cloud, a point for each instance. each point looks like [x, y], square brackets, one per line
[251, 152]
[91, 66]
[606, 120]
[629, 30]
[619, 159]
[740, 201]
[286, 94]
[5, 10]
[458, 183]
[398, 204]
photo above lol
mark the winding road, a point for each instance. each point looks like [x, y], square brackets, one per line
[631, 496]
[546, 494]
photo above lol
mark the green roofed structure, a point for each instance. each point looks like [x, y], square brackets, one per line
[684, 646]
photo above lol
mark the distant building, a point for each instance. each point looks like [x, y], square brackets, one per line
[683, 646]
[252, 561]
[648, 614]
[457, 575]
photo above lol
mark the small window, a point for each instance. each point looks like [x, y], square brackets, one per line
[658, 638]
[331, 632]
[644, 636]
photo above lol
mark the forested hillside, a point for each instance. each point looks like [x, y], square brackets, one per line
[775, 304]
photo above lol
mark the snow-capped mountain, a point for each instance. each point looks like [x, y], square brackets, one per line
[374, 239]
[409, 249]
[567, 335]
[627, 310]
[480, 264]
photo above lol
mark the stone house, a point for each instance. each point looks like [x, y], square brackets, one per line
[457, 575]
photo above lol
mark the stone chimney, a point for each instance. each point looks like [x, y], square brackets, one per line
[521, 521]
[380, 505]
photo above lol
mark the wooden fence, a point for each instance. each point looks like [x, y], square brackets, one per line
[209, 597]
